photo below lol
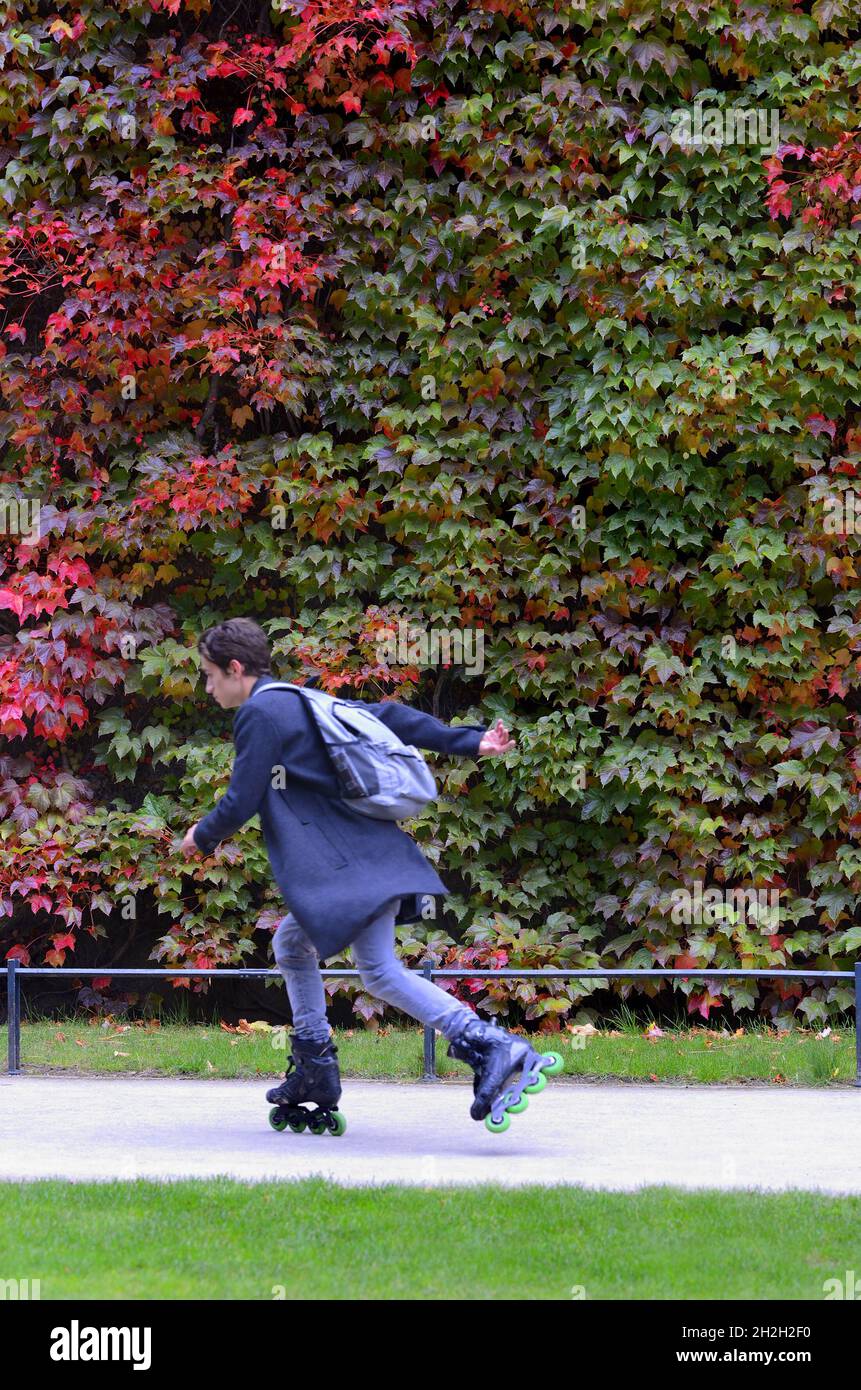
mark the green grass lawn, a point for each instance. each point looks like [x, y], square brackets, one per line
[623, 1051]
[315, 1240]
[222, 1239]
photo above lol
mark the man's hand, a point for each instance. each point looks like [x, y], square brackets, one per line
[496, 740]
[188, 846]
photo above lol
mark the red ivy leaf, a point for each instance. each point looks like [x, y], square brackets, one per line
[820, 424]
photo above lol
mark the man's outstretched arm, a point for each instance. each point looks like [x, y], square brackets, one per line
[426, 731]
[259, 749]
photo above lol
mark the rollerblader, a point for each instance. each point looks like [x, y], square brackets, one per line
[328, 803]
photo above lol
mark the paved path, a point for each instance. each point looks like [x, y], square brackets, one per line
[610, 1136]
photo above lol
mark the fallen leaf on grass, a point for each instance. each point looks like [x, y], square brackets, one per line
[739, 1033]
[228, 1027]
[587, 1030]
[652, 1076]
[59, 1037]
[122, 1054]
[653, 1032]
[258, 1026]
[209, 1066]
[826, 1033]
[78, 1042]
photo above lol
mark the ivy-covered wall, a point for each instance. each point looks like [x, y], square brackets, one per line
[529, 324]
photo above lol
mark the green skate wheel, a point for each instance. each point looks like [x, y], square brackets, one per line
[317, 1126]
[277, 1120]
[298, 1126]
[337, 1124]
[518, 1107]
[538, 1085]
[556, 1065]
[497, 1126]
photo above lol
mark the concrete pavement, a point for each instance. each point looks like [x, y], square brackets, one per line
[610, 1136]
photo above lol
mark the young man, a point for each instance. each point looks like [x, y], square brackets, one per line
[346, 878]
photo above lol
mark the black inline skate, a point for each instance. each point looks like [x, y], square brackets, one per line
[315, 1079]
[495, 1056]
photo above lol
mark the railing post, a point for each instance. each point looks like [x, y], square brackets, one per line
[858, 1023]
[13, 1016]
[430, 1034]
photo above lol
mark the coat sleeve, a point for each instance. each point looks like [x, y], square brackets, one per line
[425, 731]
[259, 749]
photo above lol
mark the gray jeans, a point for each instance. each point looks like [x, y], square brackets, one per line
[382, 974]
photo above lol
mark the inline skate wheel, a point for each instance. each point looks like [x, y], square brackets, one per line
[497, 1126]
[537, 1085]
[518, 1107]
[556, 1065]
[298, 1126]
[337, 1124]
[277, 1120]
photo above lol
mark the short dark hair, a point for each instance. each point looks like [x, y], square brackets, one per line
[239, 639]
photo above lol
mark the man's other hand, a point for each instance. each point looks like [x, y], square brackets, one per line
[496, 740]
[188, 846]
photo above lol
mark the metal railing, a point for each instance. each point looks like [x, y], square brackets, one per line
[14, 977]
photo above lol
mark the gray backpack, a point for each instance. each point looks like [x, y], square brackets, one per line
[378, 774]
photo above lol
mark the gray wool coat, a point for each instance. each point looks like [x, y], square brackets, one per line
[336, 868]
